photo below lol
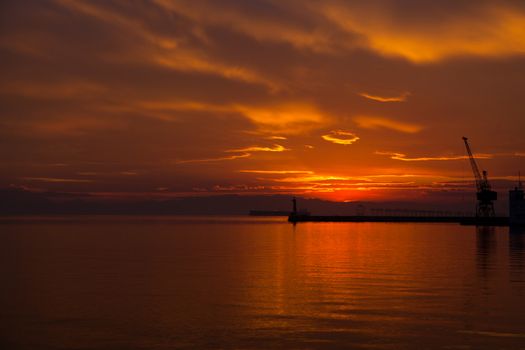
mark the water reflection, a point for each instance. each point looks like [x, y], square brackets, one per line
[517, 256]
[486, 247]
[231, 284]
[516, 241]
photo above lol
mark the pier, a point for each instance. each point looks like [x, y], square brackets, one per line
[463, 220]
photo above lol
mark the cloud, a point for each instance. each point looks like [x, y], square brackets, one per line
[490, 29]
[341, 137]
[181, 106]
[68, 126]
[286, 118]
[380, 122]
[251, 85]
[335, 27]
[256, 26]
[57, 180]
[401, 98]
[132, 25]
[403, 157]
[56, 90]
[277, 172]
[275, 148]
[163, 50]
[314, 178]
[186, 60]
[218, 159]
[245, 152]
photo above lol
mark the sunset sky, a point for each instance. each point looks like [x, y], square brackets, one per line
[341, 100]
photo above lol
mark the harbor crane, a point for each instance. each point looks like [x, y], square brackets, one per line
[484, 194]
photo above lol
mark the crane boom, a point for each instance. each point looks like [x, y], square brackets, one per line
[484, 195]
[474, 165]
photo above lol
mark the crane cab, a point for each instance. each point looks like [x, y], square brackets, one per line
[487, 195]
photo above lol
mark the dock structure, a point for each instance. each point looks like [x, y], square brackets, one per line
[517, 204]
[463, 220]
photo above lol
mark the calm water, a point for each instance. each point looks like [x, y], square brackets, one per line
[258, 283]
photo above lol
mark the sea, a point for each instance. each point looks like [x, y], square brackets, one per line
[168, 282]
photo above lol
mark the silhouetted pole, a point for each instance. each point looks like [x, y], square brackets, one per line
[294, 201]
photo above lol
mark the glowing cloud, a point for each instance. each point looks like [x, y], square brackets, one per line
[244, 153]
[403, 157]
[275, 148]
[379, 122]
[314, 178]
[277, 172]
[494, 30]
[400, 98]
[287, 118]
[219, 159]
[341, 137]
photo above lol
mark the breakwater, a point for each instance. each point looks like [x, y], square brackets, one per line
[463, 220]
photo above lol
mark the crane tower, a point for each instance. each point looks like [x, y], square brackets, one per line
[484, 194]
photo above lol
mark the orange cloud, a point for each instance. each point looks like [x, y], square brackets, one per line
[218, 159]
[244, 153]
[403, 157]
[260, 28]
[379, 122]
[188, 60]
[400, 98]
[183, 106]
[314, 178]
[135, 26]
[277, 172]
[167, 51]
[341, 137]
[286, 118]
[275, 148]
[342, 187]
[493, 30]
